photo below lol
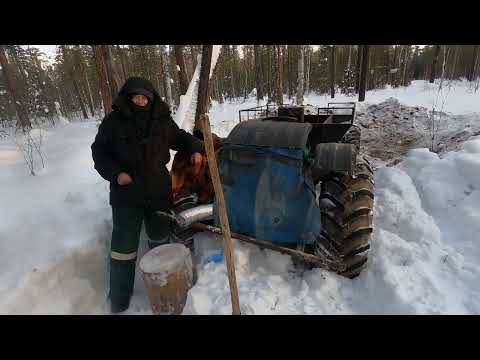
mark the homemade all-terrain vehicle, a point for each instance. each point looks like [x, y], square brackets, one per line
[292, 176]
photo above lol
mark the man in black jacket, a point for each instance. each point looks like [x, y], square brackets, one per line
[131, 151]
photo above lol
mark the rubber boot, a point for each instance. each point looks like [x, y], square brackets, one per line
[119, 306]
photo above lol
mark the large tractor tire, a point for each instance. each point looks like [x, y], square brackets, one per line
[346, 205]
[353, 136]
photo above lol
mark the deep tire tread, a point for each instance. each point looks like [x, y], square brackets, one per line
[347, 221]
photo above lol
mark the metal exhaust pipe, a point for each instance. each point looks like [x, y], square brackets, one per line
[187, 217]
[197, 213]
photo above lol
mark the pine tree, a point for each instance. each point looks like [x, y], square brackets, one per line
[102, 79]
[8, 73]
[301, 76]
[363, 73]
[358, 67]
[258, 73]
[71, 74]
[203, 85]
[434, 64]
[471, 73]
[181, 70]
[332, 71]
[279, 74]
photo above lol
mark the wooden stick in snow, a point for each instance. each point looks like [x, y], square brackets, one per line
[331, 265]
[212, 164]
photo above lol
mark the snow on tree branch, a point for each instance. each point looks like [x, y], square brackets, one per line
[185, 115]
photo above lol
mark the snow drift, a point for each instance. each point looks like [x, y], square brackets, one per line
[424, 257]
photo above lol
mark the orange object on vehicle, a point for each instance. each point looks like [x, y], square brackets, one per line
[188, 178]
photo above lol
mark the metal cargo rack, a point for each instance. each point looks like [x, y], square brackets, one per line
[334, 112]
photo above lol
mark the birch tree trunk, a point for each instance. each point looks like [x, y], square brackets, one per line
[307, 73]
[167, 78]
[232, 72]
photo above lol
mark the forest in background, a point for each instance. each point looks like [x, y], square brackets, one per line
[83, 78]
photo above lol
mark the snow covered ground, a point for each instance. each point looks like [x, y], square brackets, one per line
[425, 256]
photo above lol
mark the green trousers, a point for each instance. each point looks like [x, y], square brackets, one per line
[127, 225]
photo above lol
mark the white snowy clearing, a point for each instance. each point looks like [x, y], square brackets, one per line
[425, 251]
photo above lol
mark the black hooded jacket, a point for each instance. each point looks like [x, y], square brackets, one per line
[138, 143]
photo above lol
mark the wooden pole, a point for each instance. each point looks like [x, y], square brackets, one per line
[212, 164]
[308, 258]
